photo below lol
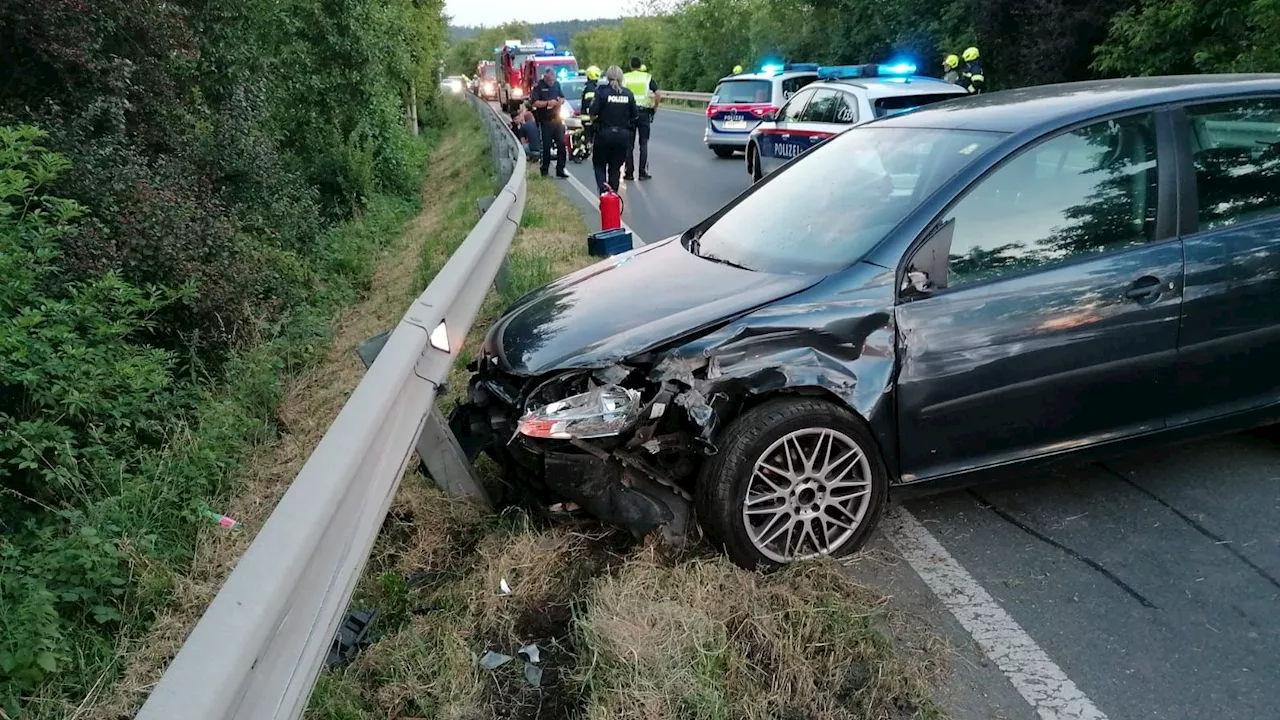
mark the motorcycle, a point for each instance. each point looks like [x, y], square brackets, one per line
[575, 140]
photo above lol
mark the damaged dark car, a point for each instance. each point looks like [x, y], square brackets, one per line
[977, 285]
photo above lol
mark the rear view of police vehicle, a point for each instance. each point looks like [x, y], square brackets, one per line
[844, 96]
[741, 101]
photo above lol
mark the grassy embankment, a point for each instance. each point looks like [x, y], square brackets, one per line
[625, 630]
[279, 399]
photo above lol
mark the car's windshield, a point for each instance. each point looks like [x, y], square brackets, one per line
[833, 204]
[572, 88]
[739, 92]
[490, 72]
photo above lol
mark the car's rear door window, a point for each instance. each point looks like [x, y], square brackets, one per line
[1084, 192]
[742, 92]
[846, 110]
[1236, 151]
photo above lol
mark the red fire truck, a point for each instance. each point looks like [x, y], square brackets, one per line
[487, 80]
[521, 64]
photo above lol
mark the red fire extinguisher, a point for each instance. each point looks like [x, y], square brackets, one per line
[610, 210]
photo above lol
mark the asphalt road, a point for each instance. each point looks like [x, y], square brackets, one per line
[1149, 580]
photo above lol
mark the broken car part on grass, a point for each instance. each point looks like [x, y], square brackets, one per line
[616, 410]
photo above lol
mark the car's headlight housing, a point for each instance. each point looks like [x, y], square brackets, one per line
[600, 412]
[566, 111]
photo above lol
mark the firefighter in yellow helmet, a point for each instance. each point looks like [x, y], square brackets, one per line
[737, 69]
[972, 78]
[588, 96]
[951, 69]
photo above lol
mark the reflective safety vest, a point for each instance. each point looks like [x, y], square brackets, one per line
[638, 83]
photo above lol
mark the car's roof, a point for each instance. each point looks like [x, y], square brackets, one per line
[784, 75]
[1045, 107]
[878, 87]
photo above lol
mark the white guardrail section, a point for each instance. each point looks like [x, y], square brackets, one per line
[258, 649]
[690, 96]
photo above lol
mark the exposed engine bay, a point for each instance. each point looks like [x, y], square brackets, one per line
[624, 443]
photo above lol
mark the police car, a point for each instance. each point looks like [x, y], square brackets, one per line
[843, 97]
[741, 101]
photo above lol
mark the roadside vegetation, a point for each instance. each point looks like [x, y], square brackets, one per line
[624, 629]
[189, 194]
[690, 45]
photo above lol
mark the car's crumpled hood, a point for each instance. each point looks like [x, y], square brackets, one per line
[625, 305]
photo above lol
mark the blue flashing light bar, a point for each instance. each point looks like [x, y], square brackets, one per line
[775, 68]
[899, 71]
[548, 45]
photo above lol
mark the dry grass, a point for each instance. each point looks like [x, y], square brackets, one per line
[703, 639]
[310, 405]
[624, 631]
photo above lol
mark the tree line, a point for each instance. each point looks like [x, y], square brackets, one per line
[690, 45]
[186, 190]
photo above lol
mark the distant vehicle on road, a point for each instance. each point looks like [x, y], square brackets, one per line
[453, 84]
[842, 98]
[487, 80]
[981, 285]
[741, 101]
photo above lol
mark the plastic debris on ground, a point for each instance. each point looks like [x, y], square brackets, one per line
[530, 651]
[533, 674]
[504, 587]
[220, 519]
[492, 660]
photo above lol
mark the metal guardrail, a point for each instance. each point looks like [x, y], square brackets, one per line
[689, 96]
[256, 652]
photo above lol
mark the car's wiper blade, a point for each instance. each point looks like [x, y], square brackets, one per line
[722, 261]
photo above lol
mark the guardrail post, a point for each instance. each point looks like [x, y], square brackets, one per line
[447, 463]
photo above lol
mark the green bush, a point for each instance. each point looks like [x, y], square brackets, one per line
[79, 400]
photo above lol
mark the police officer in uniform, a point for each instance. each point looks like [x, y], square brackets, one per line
[547, 96]
[972, 78]
[588, 97]
[617, 113]
[645, 90]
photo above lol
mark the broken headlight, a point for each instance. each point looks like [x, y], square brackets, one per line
[600, 412]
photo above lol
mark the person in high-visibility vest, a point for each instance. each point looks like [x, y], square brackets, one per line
[645, 90]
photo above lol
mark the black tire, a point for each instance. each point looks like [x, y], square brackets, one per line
[723, 484]
[722, 152]
[753, 163]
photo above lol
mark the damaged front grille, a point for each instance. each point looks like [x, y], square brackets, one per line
[623, 443]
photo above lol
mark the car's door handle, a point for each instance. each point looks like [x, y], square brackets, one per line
[1145, 289]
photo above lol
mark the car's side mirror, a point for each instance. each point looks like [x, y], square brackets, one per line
[770, 117]
[929, 266]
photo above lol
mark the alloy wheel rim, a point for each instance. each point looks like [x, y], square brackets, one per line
[808, 494]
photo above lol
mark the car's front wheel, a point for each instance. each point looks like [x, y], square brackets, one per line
[795, 478]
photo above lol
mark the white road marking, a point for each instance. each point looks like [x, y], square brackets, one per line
[1037, 678]
[636, 240]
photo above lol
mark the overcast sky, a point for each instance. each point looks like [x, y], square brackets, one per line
[496, 12]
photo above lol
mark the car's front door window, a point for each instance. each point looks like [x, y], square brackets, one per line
[1081, 193]
[822, 108]
[795, 107]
